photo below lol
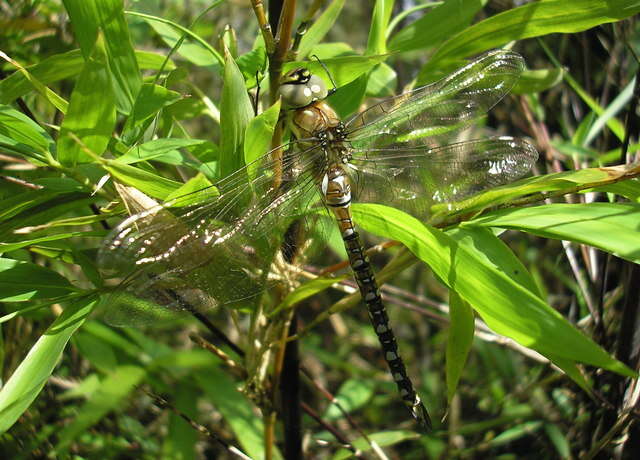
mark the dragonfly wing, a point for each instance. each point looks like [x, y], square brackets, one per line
[212, 248]
[431, 114]
[414, 179]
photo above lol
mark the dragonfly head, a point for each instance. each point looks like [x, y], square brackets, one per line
[299, 88]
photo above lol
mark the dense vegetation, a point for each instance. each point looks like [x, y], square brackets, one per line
[107, 107]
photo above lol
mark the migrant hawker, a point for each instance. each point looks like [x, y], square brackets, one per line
[218, 246]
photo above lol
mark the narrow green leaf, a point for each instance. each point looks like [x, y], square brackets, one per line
[12, 206]
[257, 138]
[618, 104]
[612, 227]
[38, 213]
[377, 41]
[382, 81]
[305, 291]
[495, 252]
[516, 432]
[91, 116]
[195, 190]
[222, 392]
[151, 99]
[506, 307]
[629, 189]
[181, 441]
[21, 135]
[352, 395]
[614, 124]
[459, 340]
[558, 439]
[199, 52]
[20, 281]
[566, 181]
[63, 66]
[253, 64]
[7, 247]
[320, 27]
[348, 98]
[27, 380]
[238, 111]
[87, 19]
[100, 354]
[382, 439]
[343, 69]
[110, 396]
[57, 101]
[148, 183]
[530, 20]
[156, 148]
[535, 81]
[436, 25]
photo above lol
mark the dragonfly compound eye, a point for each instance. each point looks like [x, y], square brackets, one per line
[299, 88]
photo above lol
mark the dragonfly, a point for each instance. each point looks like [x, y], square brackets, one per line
[220, 246]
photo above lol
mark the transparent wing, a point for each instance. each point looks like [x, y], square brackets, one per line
[430, 115]
[414, 179]
[215, 247]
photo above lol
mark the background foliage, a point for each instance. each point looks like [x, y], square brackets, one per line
[154, 96]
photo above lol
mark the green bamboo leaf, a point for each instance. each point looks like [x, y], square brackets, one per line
[515, 433]
[530, 20]
[558, 439]
[507, 307]
[7, 247]
[61, 67]
[347, 100]
[535, 81]
[110, 396]
[459, 340]
[320, 27]
[147, 182]
[629, 189]
[257, 138]
[238, 111]
[436, 25]
[182, 439]
[382, 81]
[27, 380]
[155, 149]
[614, 124]
[57, 101]
[21, 135]
[381, 439]
[88, 18]
[343, 69]
[609, 113]
[612, 227]
[199, 52]
[38, 213]
[236, 411]
[91, 116]
[21, 281]
[253, 64]
[377, 41]
[565, 181]
[352, 395]
[195, 190]
[305, 291]
[12, 206]
[150, 101]
[495, 252]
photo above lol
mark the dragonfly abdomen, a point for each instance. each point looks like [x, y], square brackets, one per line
[337, 193]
